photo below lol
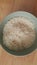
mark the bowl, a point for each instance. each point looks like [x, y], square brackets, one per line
[30, 17]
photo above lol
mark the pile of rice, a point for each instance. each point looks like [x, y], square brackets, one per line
[18, 34]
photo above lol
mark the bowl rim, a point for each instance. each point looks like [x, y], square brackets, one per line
[27, 15]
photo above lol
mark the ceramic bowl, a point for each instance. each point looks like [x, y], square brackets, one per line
[27, 15]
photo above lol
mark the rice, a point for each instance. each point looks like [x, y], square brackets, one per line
[18, 34]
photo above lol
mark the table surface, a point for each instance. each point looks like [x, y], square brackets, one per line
[5, 57]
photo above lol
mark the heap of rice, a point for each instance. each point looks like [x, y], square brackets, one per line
[18, 34]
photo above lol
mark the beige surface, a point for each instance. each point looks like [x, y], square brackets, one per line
[8, 59]
[7, 6]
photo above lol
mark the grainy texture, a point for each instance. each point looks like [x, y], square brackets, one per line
[6, 7]
[18, 34]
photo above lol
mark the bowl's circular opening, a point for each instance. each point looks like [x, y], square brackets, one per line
[27, 15]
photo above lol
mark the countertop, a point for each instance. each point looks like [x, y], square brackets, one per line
[6, 7]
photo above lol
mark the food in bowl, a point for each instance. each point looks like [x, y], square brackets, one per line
[18, 34]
